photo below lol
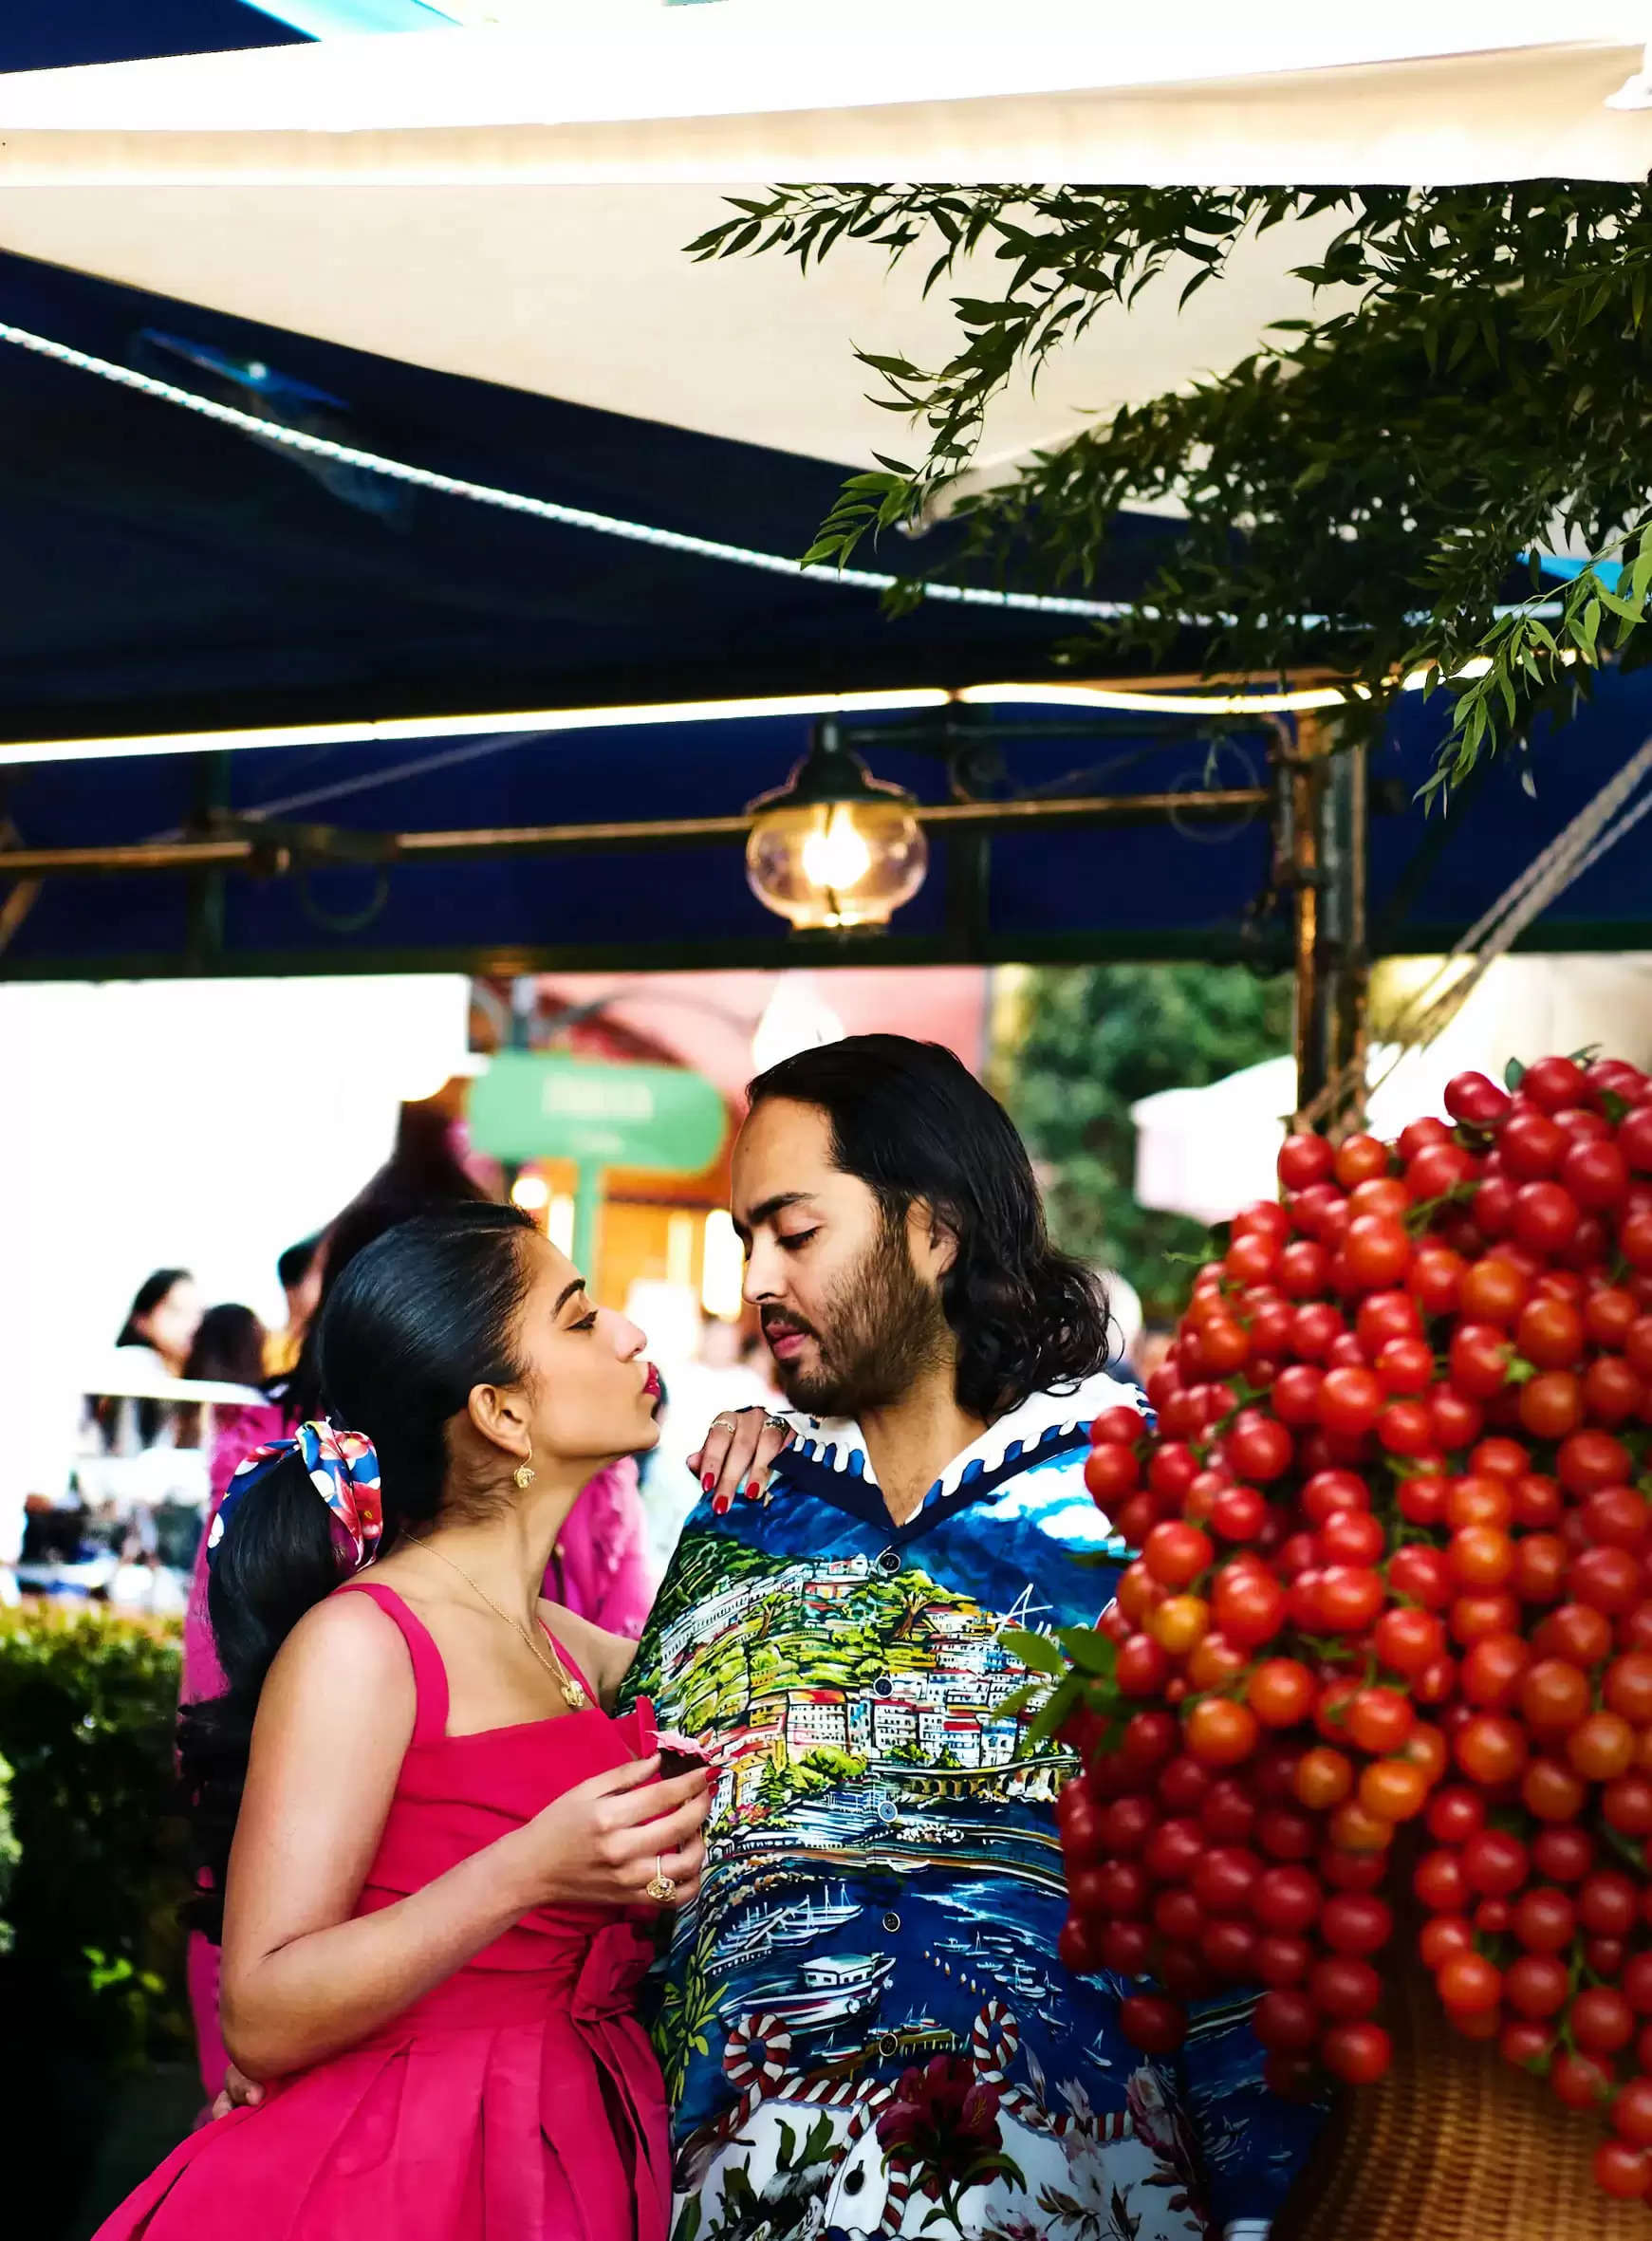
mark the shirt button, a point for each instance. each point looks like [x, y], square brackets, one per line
[891, 1921]
[889, 1562]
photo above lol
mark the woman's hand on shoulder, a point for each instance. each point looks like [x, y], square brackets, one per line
[737, 1454]
[601, 1842]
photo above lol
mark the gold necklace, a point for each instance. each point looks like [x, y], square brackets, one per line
[544, 1649]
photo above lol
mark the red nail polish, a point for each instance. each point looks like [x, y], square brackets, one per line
[720, 1505]
[709, 1481]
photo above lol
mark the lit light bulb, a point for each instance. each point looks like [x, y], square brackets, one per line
[531, 1192]
[835, 857]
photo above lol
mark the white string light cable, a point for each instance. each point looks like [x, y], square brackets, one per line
[570, 517]
[320, 447]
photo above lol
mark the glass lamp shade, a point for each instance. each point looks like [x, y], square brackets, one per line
[835, 847]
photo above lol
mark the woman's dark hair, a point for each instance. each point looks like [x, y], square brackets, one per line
[911, 1121]
[229, 1347]
[295, 1263]
[422, 1315]
[150, 1294]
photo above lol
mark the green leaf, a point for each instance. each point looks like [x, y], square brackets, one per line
[1091, 1652]
[1514, 1074]
[1036, 1651]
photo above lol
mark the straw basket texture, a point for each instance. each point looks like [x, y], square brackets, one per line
[1453, 2145]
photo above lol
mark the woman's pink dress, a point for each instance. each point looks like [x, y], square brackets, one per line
[520, 2100]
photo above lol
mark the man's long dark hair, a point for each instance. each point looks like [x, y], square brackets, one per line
[911, 1121]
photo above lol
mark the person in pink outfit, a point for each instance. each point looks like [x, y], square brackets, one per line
[441, 1859]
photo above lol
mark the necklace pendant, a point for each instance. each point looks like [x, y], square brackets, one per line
[575, 1696]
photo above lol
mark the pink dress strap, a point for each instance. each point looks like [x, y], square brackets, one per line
[568, 1658]
[430, 1676]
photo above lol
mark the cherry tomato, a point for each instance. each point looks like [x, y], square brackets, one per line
[1494, 1291]
[1078, 1948]
[1281, 1691]
[1590, 1460]
[1378, 1251]
[1479, 1359]
[1480, 1555]
[1258, 1446]
[1608, 1580]
[1622, 2170]
[1474, 1500]
[1627, 1687]
[1151, 2025]
[1546, 1216]
[1384, 1194]
[1552, 1793]
[1439, 1883]
[1543, 1920]
[1177, 1553]
[1420, 1574]
[1551, 1404]
[1553, 1083]
[1281, 1962]
[1612, 1392]
[1458, 1420]
[1285, 1899]
[1617, 1517]
[1343, 1988]
[1596, 1175]
[1358, 2053]
[1601, 1747]
[1356, 1922]
[1318, 1325]
[1350, 1599]
[1565, 1855]
[1550, 1332]
[1446, 1934]
[1323, 1778]
[1535, 1984]
[1608, 1904]
[1407, 1640]
[1436, 1278]
[1249, 1603]
[1286, 1834]
[1406, 1428]
[1439, 1169]
[1600, 2019]
[1360, 1159]
[1393, 1790]
[1626, 1805]
[1221, 1734]
[1304, 1160]
[1493, 1670]
[1455, 1814]
[1576, 1632]
[1477, 1099]
[1469, 1981]
[1530, 1146]
[1579, 2082]
[1491, 1749]
[1286, 2021]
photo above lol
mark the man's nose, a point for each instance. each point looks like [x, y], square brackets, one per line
[762, 1274]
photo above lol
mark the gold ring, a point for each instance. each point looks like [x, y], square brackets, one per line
[730, 1423]
[663, 1888]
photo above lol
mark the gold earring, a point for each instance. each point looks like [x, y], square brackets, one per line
[524, 1475]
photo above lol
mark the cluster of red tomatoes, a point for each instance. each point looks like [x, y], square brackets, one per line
[1391, 1619]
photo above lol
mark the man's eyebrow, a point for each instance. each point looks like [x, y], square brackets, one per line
[769, 1209]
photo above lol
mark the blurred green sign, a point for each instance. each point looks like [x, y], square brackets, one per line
[534, 1107]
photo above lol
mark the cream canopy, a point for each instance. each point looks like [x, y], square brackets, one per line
[512, 204]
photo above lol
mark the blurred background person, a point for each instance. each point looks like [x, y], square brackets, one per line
[299, 1271]
[164, 1318]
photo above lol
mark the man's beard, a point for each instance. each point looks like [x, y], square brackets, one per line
[883, 1330]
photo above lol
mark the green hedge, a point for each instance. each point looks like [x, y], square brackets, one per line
[96, 1870]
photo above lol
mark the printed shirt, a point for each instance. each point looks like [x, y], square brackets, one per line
[863, 2022]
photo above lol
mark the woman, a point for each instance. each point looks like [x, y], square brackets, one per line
[164, 1318]
[445, 1854]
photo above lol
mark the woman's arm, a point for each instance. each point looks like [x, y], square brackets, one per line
[303, 1979]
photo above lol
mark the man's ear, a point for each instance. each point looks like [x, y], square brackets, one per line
[499, 1413]
[933, 1239]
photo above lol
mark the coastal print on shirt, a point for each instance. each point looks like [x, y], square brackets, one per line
[863, 2022]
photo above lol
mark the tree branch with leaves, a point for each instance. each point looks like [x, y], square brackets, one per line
[1356, 492]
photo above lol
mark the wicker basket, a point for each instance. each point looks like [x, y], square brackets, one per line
[1453, 2145]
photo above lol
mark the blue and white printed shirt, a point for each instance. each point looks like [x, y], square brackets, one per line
[863, 2026]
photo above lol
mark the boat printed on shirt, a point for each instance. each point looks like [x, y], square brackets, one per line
[781, 1929]
[823, 1994]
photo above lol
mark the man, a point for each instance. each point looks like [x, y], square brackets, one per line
[864, 2025]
